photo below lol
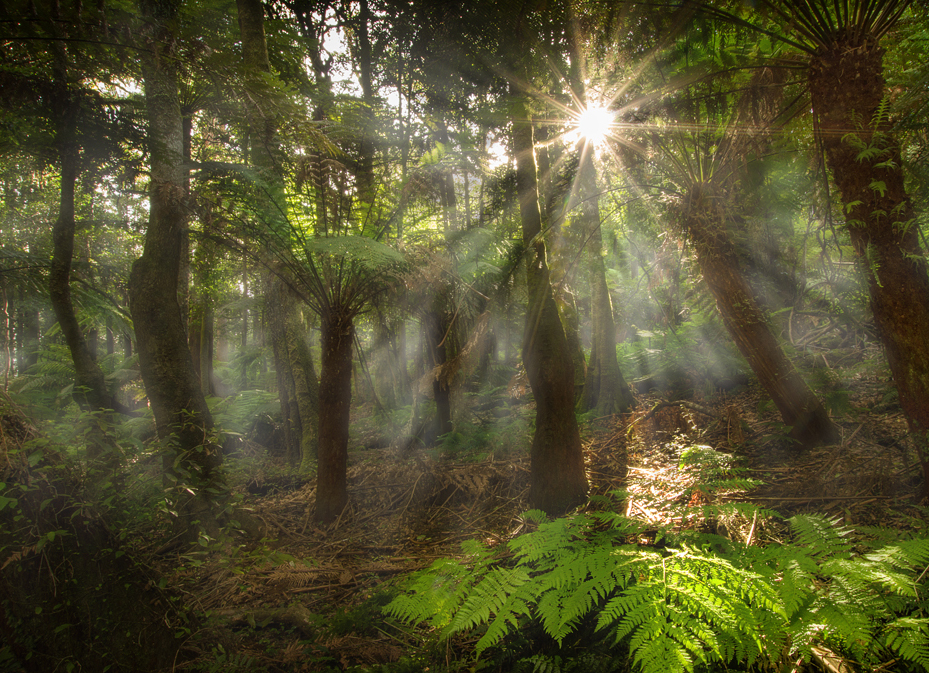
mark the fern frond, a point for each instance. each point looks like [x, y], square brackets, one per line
[823, 538]
[908, 638]
[487, 597]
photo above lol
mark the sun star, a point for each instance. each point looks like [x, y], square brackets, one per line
[594, 124]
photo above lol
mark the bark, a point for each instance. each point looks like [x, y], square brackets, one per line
[365, 174]
[557, 481]
[192, 459]
[335, 396]
[296, 377]
[290, 415]
[438, 323]
[89, 385]
[90, 389]
[605, 388]
[745, 321]
[206, 342]
[306, 385]
[847, 85]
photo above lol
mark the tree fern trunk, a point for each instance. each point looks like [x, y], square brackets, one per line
[747, 324]
[335, 396]
[847, 86]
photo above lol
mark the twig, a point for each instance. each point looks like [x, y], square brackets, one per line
[751, 532]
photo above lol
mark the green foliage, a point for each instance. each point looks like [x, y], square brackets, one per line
[680, 607]
[237, 413]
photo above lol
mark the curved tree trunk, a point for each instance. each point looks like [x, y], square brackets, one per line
[747, 324]
[847, 86]
[335, 397]
[558, 481]
[181, 415]
[90, 390]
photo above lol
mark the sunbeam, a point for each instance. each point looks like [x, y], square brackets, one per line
[594, 124]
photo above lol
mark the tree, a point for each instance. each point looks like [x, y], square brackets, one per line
[192, 457]
[605, 389]
[558, 481]
[851, 123]
[706, 166]
[297, 385]
[339, 277]
[78, 135]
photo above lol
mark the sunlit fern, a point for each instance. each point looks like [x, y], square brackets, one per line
[678, 608]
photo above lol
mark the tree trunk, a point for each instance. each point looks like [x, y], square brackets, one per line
[89, 385]
[558, 481]
[605, 388]
[437, 326]
[335, 396]
[192, 459]
[364, 176]
[90, 390]
[306, 385]
[746, 323]
[847, 86]
[286, 389]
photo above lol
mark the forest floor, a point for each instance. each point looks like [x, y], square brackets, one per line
[310, 599]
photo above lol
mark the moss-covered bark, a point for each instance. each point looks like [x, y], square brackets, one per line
[192, 459]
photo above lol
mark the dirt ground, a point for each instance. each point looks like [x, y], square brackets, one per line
[309, 585]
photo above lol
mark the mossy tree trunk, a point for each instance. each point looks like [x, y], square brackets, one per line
[557, 481]
[192, 458]
[848, 90]
[704, 223]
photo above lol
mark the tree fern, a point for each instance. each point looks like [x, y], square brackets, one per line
[676, 608]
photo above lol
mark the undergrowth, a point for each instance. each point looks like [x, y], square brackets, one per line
[688, 601]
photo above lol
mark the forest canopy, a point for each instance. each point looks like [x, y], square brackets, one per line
[631, 296]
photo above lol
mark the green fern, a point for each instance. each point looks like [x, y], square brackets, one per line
[677, 608]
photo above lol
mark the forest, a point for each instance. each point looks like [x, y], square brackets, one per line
[544, 336]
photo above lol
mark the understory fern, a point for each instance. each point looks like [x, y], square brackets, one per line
[704, 602]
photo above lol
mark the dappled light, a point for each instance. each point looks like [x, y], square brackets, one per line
[447, 336]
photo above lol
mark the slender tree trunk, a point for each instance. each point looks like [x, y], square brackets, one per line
[335, 396]
[277, 328]
[90, 390]
[847, 86]
[365, 172]
[558, 481]
[192, 459]
[605, 388]
[206, 342]
[745, 321]
[298, 427]
[306, 385]
[437, 326]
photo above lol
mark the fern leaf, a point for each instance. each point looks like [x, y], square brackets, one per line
[823, 538]
[908, 638]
